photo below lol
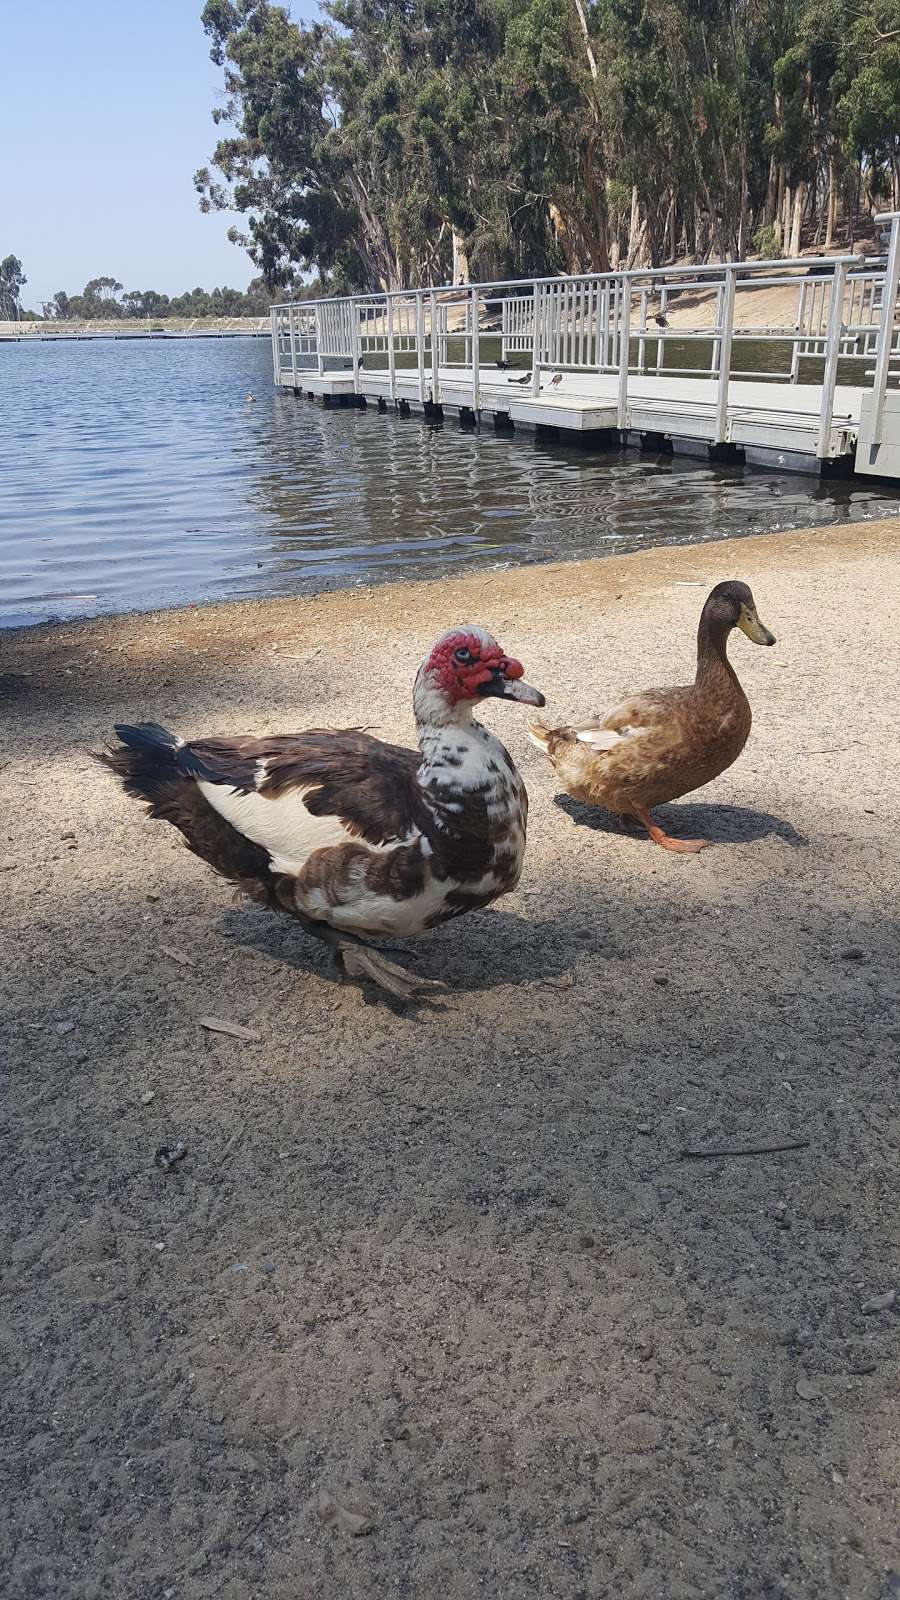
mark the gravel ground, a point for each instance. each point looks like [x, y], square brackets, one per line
[433, 1305]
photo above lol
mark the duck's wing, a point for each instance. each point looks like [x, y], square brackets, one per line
[294, 794]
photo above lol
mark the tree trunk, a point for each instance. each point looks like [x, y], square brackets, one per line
[561, 235]
[582, 23]
[460, 258]
[771, 192]
[794, 246]
[778, 219]
[634, 225]
[831, 210]
[744, 224]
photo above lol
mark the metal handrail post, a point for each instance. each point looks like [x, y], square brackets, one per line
[660, 343]
[389, 324]
[725, 353]
[276, 353]
[435, 349]
[832, 351]
[886, 323]
[320, 325]
[536, 338]
[624, 343]
[354, 343]
[476, 379]
[292, 334]
[420, 342]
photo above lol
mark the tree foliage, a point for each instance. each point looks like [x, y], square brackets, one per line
[401, 141]
[105, 299]
[12, 282]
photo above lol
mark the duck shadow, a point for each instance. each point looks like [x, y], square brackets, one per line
[720, 824]
[494, 949]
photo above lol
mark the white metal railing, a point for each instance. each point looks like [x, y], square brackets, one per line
[614, 324]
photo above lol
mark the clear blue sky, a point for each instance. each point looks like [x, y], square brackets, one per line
[104, 118]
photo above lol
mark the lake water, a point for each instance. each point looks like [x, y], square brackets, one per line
[137, 475]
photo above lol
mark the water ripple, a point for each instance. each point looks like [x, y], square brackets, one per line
[137, 475]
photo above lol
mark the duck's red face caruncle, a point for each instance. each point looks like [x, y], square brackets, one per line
[472, 666]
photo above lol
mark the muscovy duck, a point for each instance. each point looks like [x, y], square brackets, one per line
[353, 837]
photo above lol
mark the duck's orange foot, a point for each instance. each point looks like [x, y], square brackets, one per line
[684, 847]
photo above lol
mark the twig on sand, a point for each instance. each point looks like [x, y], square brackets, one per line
[234, 1140]
[743, 1150]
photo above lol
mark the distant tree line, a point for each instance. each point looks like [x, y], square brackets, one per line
[401, 142]
[106, 299]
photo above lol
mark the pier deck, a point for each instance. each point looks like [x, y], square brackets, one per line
[778, 417]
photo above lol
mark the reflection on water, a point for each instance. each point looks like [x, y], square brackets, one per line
[141, 475]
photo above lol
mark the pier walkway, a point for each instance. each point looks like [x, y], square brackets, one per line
[589, 355]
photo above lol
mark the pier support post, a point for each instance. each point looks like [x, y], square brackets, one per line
[659, 443]
[597, 439]
[726, 455]
[403, 408]
[382, 404]
[467, 419]
[503, 422]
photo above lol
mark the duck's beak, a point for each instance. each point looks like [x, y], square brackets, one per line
[749, 623]
[507, 684]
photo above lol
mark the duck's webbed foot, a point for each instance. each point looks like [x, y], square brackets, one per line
[687, 847]
[363, 961]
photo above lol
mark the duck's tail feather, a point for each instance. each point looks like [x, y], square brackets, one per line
[543, 737]
[146, 759]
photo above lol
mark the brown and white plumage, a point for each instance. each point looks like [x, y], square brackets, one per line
[354, 837]
[660, 744]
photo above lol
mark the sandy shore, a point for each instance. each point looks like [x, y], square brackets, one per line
[450, 1268]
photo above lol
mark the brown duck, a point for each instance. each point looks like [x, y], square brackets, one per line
[659, 745]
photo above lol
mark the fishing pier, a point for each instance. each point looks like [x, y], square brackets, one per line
[648, 357]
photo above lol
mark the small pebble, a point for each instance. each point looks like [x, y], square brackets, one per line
[240, 1266]
[159, 1246]
[807, 1390]
[644, 1127]
[169, 1155]
[661, 979]
[147, 1096]
[853, 953]
[67, 836]
[878, 1302]
[64, 1027]
[153, 895]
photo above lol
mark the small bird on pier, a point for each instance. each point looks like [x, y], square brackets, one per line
[526, 378]
[355, 838]
[502, 364]
[661, 320]
[659, 745]
[556, 380]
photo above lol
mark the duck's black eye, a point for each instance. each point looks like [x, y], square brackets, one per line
[462, 655]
